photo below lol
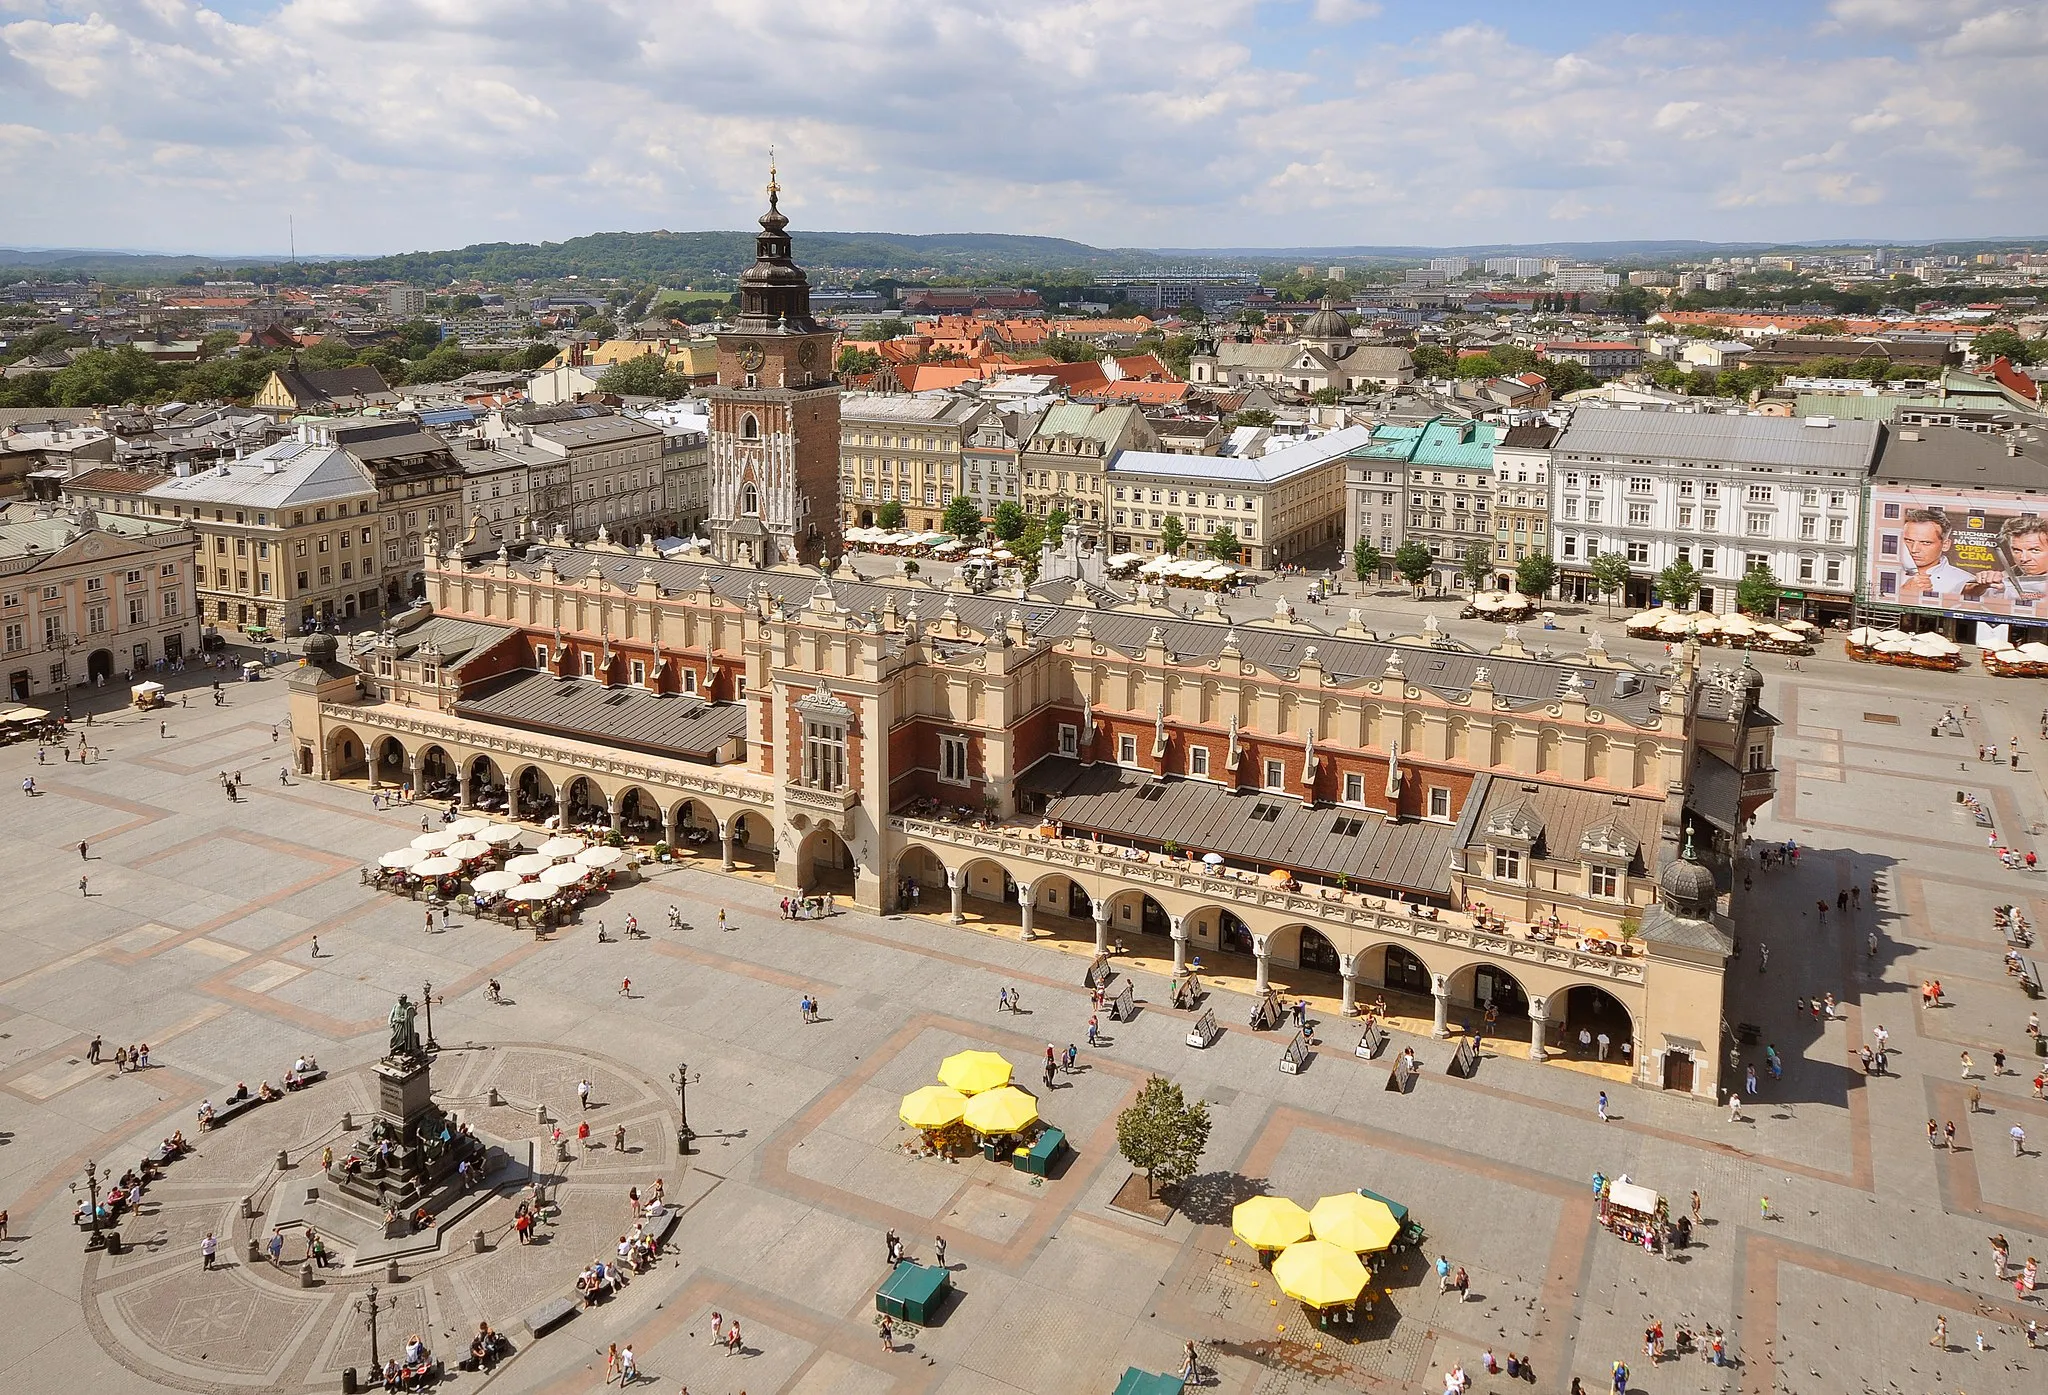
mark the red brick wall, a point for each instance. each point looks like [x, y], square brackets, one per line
[914, 763]
[1038, 735]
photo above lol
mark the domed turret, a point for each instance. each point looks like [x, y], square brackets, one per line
[1686, 888]
[1327, 322]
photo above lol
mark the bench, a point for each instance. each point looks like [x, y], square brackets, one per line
[551, 1314]
[311, 1077]
[2030, 977]
[161, 1157]
[224, 1112]
[669, 1222]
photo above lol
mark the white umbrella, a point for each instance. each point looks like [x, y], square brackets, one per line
[1213, 859]
[434, 842]
[436, 867]
[491, 883]
[558, 849]
[1863, 636]
[2035, 651]
[600, 857]
[529, 865]
[468, 850]
[469, 827]
[530, 894]
[404, 857]
[499, 835]
[564, 874]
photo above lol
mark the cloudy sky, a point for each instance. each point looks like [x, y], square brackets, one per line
[388, 125]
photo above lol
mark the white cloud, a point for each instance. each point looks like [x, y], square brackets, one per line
[386, 124]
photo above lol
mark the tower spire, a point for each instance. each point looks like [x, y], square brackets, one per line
[774, 185]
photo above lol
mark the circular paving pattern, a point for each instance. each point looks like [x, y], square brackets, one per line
[252, 1325]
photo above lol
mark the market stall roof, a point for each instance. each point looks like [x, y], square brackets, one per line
[1137, 1382]
[670, 724]
[1319, 1274]
[1005, 1109]
[1269, 1222]
[1632, 1197]
[972, 1072]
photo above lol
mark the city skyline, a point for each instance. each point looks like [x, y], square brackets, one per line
[381, 127]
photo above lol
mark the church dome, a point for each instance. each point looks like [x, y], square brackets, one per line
[1327, 322]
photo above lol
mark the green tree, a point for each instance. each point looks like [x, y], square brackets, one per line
[1432, 360]
[1564, 375]
[1826, 328]
[1610, 576]
[1326, 396]
[1366, 561]
[1678, 584]
[440, 366]
[1009, 521]
[854, 362]
[1413, 563]
[888, 329]
[963, 517]
[107, 378]
[1757, 592]
[1062, 349]
[1172, 536]
[1162, 1135]
[1223, 545]
[1056, 524]
[1252, 416]
[890, 516]
[644, 376]
[2006, 343]
[1476, 564]
[1535, 575]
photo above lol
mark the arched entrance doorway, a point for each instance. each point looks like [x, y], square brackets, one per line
[584, 805]
[1404, 973]
[346, 759]
[1489, 997]
[537, 800]
[753, 842]
[1137, 913]
[437, 774]
[1597, 1026]
[1317, 952]
[99, 666]
[391, 769]
[920, 882]
[693, 830]
[486, 784]
[824, 863]
[640, 818]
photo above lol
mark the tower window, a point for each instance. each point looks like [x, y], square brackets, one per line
[750, 429]
[750, 498]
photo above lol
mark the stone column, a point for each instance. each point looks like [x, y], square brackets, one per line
[725, 863]
[1178, 930]
[465, 788]
[512, 799]
[611, 809]
[1259, 956]
[1539, 1026]
[1347, 968]
[1440, 989]
[412, 774]
[1026, 896]
[1102, 927]
[959, 916]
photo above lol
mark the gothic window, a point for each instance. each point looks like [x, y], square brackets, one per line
[750, 498]
[824, 755]
[750, 429]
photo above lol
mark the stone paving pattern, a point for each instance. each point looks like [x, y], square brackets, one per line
[197, 938]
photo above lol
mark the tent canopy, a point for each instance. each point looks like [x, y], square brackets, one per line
[1633, 1197]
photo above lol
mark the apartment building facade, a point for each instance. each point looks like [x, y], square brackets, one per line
[905, 449]
[1521, 497]
[1428, 481]
[1722, 493]
[1277, 505]
[91, 599]
[1062, 466]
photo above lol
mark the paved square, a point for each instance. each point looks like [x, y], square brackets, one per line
[197, 938]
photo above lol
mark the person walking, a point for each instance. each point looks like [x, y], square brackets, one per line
[721, 919]
[2019, 1141]
[583, 1093]
[275, 1245]
[1735, 1109]
[1998, 1061]
[1603, 1106]
[1763, 957]
[206, 1249]
[1873, 944]
[81, 852]
[1976, 1095]
[81, 887]
[1933, 1134]
[732, 1338]
[1940, 1337]
[629, 1368]
[316, 948]
[939, 1251]
[1969, 1066]
[626, 987]
[611, 1364]
[1948, 1135]
[1763, 1208]
[1695, 1206]
[887, 1330]
[92, 1053]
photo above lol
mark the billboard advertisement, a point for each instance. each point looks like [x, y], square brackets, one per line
[1964, 552]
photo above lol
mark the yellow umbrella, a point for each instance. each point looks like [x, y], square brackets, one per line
[933, 1107]
[971, 1072]
[1269, 1222]
[1003, 1110]
[1353, 1222]
[1319, 1274]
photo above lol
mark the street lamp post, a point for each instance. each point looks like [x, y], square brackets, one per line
[92, 1192]
[427, 997]
[682, 1080]
[368, 1307]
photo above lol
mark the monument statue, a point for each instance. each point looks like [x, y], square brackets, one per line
[405, 1040]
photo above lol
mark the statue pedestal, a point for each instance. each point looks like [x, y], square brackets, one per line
[403, 1090]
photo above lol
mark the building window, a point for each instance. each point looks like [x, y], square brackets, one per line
[1638, 553]
[1070, 739]
[750, 499]
[1354, 787]
[750, 429]
[1603, 882]
[824, 755]
[1127, 750]
[1439, 802]
[1507, 865]
[1639, 515]
[589, 665]
[639, 673]
[1198, 762]
[1276, 775]
[953, 759]
[540, 651]
[689, 680]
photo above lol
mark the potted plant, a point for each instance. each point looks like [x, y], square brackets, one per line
[661, 852]
[615, 839]
[1171, 848]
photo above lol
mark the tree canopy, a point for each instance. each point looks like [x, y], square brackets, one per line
[1366, 561]
[1535, 575]
[1162, 1135]
[1009, 521]
[963, 517]
[1172, 535]
[1413, 562]
[1223, 545]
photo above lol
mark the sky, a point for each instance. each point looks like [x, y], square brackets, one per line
[394, 125]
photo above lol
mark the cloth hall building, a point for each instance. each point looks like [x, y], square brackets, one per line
[1539, 847]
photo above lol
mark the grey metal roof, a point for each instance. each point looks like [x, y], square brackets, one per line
[1715, 791]
[1447, 669]
[1563, 813]
[664, 724]
[1258, 827]
[1959, 459]
[458, 640]
[1736, 440]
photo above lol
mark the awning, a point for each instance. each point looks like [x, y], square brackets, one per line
[1631, 1197]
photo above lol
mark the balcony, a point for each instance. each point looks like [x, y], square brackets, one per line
[1759, 785]
[1327, 905]
[838, 801]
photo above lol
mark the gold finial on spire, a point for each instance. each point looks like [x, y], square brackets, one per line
[774, 186]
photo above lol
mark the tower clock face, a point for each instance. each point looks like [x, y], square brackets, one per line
[751, 357]
[805, 353]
